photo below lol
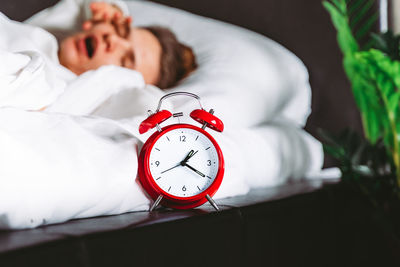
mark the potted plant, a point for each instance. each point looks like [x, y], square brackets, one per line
[370, 163]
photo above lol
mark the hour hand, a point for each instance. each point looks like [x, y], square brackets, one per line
[189, 155]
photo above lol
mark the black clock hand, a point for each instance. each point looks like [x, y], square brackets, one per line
[189, 155]
[193, 169]
[192, 155]
[179, 164]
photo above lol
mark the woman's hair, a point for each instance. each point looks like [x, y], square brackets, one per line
[177, 59]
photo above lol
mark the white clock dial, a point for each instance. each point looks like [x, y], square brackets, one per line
[191, 178]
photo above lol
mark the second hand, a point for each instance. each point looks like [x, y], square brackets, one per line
[183, 162]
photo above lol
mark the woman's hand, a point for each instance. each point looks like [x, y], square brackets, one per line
[103, 12]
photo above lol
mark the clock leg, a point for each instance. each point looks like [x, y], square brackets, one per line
[155, 204]
[212, 202]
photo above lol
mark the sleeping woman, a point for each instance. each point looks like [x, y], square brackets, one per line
[109, 39]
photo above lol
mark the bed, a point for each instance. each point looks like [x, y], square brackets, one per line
[262, 226]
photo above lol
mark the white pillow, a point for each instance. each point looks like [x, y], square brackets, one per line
[247, 78]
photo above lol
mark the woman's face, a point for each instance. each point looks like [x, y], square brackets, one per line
[102, 45]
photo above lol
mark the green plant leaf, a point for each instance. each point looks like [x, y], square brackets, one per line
[360, 12]
[394, 102]
[335, 152]
[340, 5]
[366, 28]
[388, 43]
[346, 41]
[354, 6]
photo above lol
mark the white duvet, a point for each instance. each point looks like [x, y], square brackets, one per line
[78, 158]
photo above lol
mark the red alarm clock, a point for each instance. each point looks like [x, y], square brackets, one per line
[181, 165]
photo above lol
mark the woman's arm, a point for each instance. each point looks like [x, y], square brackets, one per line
[68, 16]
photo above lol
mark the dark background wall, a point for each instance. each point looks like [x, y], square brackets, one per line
[23, 9]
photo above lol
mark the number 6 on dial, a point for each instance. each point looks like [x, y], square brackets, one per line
[181, 165]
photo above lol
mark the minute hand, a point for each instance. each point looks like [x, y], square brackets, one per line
[193, 169]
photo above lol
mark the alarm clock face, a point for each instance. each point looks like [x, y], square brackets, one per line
[183, 162]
